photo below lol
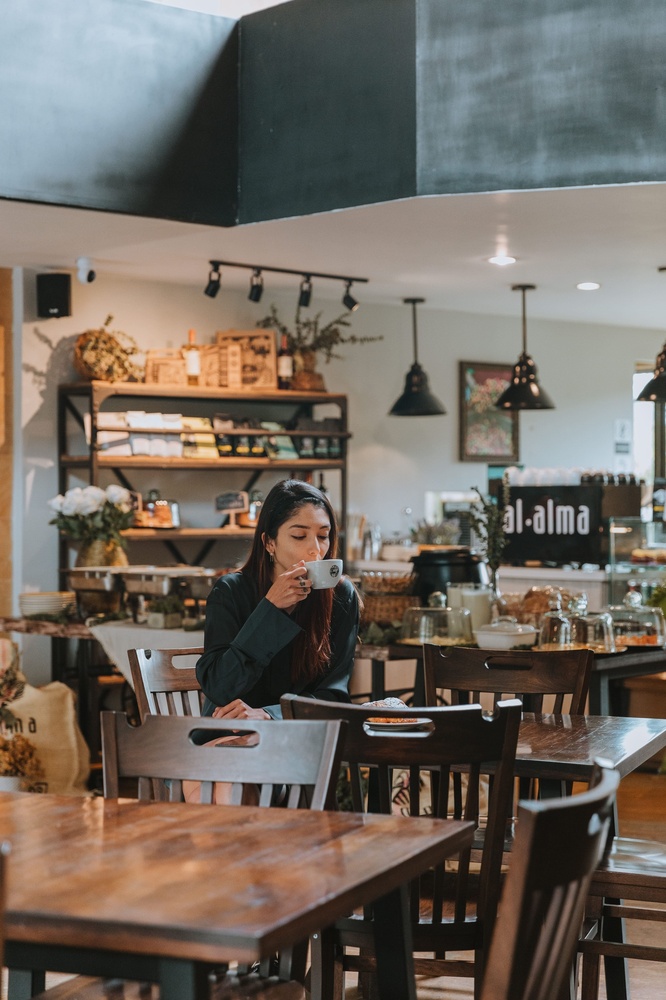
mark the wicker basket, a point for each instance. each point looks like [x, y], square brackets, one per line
[386, 608]
[105, 355]
[385, 582]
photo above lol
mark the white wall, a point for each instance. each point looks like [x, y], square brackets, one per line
[393, 461]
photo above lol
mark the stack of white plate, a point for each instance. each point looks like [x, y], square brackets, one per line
[46, 602]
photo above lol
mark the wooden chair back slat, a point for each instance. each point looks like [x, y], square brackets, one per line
[450, 740]
[525, 674]
[559, 844]
[268, 754]
[161, 686]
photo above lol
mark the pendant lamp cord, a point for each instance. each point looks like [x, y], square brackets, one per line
[414, 334]
[524, 324]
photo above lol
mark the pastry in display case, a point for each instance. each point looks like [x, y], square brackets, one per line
[634, 624]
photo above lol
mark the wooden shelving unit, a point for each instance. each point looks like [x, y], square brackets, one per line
[80, 406]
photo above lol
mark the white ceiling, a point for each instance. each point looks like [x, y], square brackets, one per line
[436, 248]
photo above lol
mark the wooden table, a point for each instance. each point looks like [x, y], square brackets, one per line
[606, 670]
[156, 891]
[564, 747]
[612, 667]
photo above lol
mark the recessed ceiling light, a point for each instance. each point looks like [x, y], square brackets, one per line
[501, 259]
[588, 286]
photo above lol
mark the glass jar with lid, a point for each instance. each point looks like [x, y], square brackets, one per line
[577, 628]
[634, 624]
[437, 625]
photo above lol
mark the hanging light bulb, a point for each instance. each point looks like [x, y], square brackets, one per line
[524, 391]
[417, 399]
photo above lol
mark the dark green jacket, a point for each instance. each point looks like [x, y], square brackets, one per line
[248, 645]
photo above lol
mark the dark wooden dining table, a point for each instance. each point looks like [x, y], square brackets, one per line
[564, 747]
[160, 891]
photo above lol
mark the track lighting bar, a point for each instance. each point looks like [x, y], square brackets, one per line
[302, 272]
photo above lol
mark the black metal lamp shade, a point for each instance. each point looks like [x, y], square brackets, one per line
[655, 390]
[524, 391]
[416, 399]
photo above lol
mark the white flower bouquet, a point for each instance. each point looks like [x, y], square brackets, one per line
[90, 513]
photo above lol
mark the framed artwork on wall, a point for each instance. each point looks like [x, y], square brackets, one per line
[486, 434]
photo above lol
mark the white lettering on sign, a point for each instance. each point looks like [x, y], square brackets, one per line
[547, 519]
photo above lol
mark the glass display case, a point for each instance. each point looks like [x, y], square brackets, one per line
[637, 557]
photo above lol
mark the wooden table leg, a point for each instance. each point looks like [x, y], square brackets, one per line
[393, 946]
[378, 681]
[182, 980]
[25, 983]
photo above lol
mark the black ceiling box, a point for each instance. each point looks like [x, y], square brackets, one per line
[54, 295]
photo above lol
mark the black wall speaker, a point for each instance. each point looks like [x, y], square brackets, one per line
[54, 296]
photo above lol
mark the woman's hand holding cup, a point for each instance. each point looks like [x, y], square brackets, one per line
[291, 587]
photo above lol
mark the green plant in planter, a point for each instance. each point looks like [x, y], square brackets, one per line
[487, 518]
[309, 335]
[170, 604]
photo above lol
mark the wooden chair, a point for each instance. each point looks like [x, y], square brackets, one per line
[633, 871]
[467, 675]
[451, 910]
[530, 675]
[306, 759]
[558, 846]
[161, 687]
[303, 756]
[630, 883]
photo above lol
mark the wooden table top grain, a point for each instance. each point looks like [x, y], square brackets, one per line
[566, 746]
[202, 883]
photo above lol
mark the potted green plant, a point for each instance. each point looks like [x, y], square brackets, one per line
[308, 338]
[487, 519]
[165, 612]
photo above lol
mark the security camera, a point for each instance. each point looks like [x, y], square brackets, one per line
[84, 271]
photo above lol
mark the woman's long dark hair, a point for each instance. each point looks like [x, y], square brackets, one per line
[312, 647]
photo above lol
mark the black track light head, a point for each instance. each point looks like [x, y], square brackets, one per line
[214, 280]
[256, 286]
[305, 293]
[348, 300]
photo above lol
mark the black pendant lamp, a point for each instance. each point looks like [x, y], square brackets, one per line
[524, 391]
[655, 390]
[417, 399]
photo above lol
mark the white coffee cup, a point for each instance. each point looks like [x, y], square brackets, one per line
[324, 573]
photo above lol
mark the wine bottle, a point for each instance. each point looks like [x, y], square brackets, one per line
[192, 359]
[285, 364]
